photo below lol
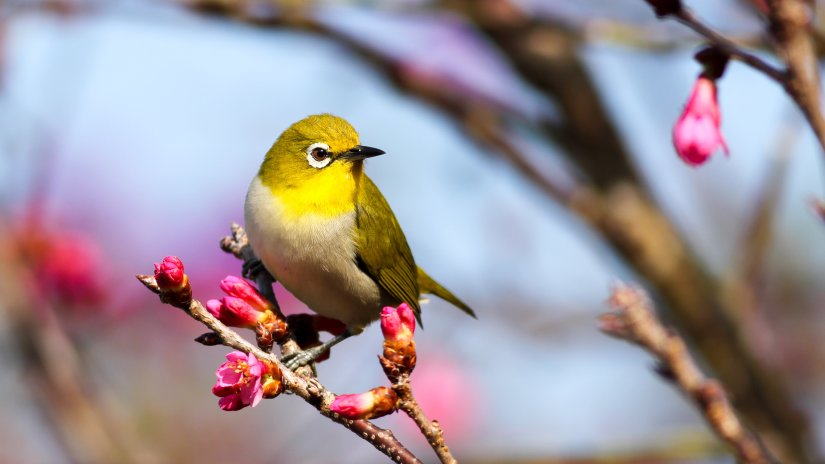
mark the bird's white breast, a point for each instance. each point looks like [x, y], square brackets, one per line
[313, 257]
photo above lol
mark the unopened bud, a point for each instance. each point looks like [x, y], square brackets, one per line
[697, 134]
[209, 339]
[240, 288]
[172, 282]
[377, 402]
[398, 324]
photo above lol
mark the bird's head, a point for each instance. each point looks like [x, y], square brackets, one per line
[320, 146]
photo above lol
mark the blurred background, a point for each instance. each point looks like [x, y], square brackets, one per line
[529, 163]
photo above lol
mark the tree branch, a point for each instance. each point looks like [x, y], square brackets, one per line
[636, 322]
[430, 429]
[308, 389]
[790, 27]
[686, 17]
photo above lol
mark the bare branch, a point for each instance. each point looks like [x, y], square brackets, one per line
[430, 429]
[686, 17]
[636, 322]
[790, 26]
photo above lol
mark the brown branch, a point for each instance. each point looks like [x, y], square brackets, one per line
[635, 321]
[791, 29]
[430, 429]
[686, 17]
[307, 388]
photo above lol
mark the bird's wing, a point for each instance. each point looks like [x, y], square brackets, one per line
[383, 252]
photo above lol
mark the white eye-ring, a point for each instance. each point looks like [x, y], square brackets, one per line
[318, 155]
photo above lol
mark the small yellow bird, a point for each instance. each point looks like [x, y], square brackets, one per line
[322, 228]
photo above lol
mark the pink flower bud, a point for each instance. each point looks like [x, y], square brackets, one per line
[169, 274]
[398, 324]
[377, 402]
[239, 381]
[240, 288]
[234, 312]
[697, 133]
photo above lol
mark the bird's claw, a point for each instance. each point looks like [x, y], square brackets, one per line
[252, 267]
[302, 358]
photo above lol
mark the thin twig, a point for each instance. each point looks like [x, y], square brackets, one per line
[430, 429]
[635, 321]
[686, 17]
[307, 388]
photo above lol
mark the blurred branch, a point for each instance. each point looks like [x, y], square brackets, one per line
[545, 53]
[635, 321]
[791, 28]
[744, 281]
[55, 374]
[686, 17]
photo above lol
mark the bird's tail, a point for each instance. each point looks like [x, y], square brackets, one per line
[426, 284]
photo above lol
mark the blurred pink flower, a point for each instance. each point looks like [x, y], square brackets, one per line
[697, 133]
[240, 288]
[239, 381]
[398, 324]
[169, 274]
[448, 393]
[377, 402]
[70, 269]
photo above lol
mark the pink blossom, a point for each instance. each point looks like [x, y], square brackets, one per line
[240, 288]
[377, 402]
[398, 324]
[71, 270]
[447, 390]
[239, 381]
[169, 274]
[234, 312]
[697, 133]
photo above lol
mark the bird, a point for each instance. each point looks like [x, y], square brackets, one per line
[321, 227]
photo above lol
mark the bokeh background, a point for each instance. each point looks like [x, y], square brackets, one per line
[131, 129]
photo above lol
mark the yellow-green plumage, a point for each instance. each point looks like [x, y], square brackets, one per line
[325, 231]
[384, 254]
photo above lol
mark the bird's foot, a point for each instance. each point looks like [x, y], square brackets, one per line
[302, 358]
[252, 267]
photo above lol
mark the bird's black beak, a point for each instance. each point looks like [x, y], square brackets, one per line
[360, 152]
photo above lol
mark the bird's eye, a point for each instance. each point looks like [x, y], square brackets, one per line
[318, 155]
